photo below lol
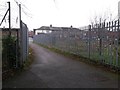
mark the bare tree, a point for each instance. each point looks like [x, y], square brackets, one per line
[97, 19]
[106, 16]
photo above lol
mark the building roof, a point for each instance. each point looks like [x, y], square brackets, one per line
[55, 28]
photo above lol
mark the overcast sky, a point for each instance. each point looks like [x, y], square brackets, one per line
[61, 13]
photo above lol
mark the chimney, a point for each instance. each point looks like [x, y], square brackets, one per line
[50, 25]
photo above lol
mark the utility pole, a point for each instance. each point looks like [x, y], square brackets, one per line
[9, 19]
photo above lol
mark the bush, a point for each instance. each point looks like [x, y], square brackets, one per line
[8, 52]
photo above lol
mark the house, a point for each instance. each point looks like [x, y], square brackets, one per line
[50, 29]
[30, 33]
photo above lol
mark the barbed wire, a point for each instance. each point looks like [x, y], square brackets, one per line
[23, 10]
[27, 14]
[2, 5]
[13, 17]
[23, 5]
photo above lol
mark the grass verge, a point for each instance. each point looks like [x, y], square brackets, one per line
[83, 59]
[29, 60]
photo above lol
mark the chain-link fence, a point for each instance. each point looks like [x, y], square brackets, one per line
[14, 48]
[24, 43]
[13, 38]
[0, 59]
[99, 42]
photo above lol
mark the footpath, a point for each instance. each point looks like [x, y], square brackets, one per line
[52, 70]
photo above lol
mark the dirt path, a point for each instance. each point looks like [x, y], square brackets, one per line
[51, 70]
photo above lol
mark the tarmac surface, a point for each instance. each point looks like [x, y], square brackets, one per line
[52, 70]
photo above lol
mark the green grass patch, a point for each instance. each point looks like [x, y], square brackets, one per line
[81, 58]
[68, 54]
[30, 59]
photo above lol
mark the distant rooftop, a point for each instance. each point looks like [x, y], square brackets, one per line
[56, 28]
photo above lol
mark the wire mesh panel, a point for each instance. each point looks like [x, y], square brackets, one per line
[0, 49]
[0, 58]
[24, 38]
[99, 42]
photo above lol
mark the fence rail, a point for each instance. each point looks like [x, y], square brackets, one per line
[99, 42]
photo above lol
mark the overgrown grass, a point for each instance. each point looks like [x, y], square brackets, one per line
[29, 60]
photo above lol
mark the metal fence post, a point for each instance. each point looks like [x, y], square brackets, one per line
[100, 43]
[9, 18]
[21, 44]
[117, 42]
[89, 40]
